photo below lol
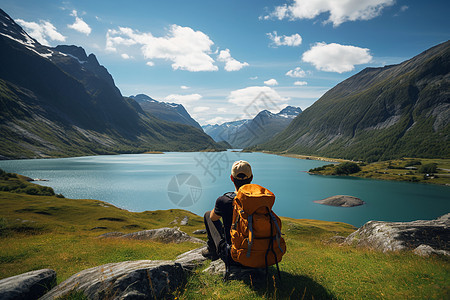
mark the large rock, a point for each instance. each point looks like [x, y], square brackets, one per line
[217, 267]
[30, 285]
[191, 259]
[164, 235]
[184, 221]
[143, 279]
[394, 236]
[425, 250]
[341, 200]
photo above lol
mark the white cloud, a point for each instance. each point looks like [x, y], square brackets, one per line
[300, 83]
[254, 78]
[256, 98]
[186, 100]
[231, 64]
[222, 109]
[296, 73]
[402, 9]
[51, 32]
[271, 82]
[150, 63]
[79, 25]
[186, 48]
[335, 57]
[285, 40]
[41, 31]
[218, 120]
[340, 11]
[125, 56]
[183, 87]
[199, 109]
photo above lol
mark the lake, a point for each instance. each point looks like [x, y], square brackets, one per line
[192, 181]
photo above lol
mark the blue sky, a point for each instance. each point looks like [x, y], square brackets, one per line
[217, 57]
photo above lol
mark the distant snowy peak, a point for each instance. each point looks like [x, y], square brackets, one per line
[266, 113]
[142, 98]
[10, 29]
[229, 124]
[248, 132]
[289, 112]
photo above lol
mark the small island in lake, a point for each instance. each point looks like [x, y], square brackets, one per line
[341, 200]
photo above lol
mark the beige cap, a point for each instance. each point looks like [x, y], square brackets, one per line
[241, 170]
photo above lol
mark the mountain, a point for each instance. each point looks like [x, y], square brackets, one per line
[246, 133]
[380, 113]
[225, 131]
[171, 112]
[61, 102]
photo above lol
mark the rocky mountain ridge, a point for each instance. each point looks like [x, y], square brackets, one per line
[378, 114]
[60, 102]
[249, 132]
[171, 112]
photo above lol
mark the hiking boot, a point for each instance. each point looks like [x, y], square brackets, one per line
[212, 255]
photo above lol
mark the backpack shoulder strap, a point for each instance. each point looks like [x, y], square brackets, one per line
[230, 195]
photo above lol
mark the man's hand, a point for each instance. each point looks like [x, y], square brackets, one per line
[214, 216]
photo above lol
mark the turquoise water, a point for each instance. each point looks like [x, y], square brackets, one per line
[140, 182]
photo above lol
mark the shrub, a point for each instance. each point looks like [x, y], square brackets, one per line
[347, 168]
[31, 190]
[36, 190]
[414, 179]
[413, 163]
[3, 226]
[428, 168]
[318, 169]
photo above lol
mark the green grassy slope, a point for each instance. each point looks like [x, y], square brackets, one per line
[53, 107]
[405, 169]
[28, 130]
[49, 232]
[378, 114]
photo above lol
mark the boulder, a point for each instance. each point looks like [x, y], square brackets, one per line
[199, 231]
[30, 285]
[394, 236]
[217, 267]
[425, 250]
[184, 221]
[163, 235]
[191, 259]
[341, 200]
[143, 279]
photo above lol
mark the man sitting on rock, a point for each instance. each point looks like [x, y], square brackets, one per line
[219, 235]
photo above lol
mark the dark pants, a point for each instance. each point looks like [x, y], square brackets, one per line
[216, 240]
[214, 229]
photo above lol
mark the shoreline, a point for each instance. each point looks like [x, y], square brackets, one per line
[377, 174]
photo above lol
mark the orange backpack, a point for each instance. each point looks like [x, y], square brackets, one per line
[256, 239]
